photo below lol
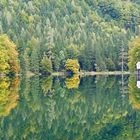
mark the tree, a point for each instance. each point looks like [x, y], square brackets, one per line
[46, 65]
[4, 66]
[134, 54]
[72, 51]
[9, 62]
[90, 31]
[34, 64]
[110, 65]
[72, 65]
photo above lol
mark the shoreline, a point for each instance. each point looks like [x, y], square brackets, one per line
[86, 73]
[92, 73]
[106, 73]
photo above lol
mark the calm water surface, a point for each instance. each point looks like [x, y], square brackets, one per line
[88, 108]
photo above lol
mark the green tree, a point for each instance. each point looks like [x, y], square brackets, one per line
[72, 51]
[46, 65]
[46, 84]
[34, 63]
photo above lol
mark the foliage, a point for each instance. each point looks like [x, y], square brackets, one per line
[8, 56]
[134, 53]
[46, 85]
[72, 82]
[134, 93]
[73, 51]
[72, 65]
[94, 108]
[90, 31]
[8, 95]
[46, 65]
[4, 66]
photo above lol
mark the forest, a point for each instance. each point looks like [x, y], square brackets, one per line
[47, 33]
[44, 38]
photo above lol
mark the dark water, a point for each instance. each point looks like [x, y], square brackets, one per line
[90, 108]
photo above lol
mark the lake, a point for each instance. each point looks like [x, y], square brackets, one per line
[74, 108]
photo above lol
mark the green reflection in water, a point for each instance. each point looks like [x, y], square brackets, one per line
[46, 84]
[48, 109]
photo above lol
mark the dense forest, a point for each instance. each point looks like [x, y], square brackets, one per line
[48, 32]
[40, 37]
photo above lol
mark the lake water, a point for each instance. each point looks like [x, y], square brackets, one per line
[76, 108]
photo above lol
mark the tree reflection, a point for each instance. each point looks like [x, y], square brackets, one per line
[134, 93]
[46, 84]
[94, 110]
[72, 82]
[8, 94]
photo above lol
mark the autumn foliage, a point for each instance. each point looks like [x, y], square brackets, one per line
[8, 56]
[72, 65]
[134, 54]
[72, 82]
[134, 93]
[8, 94]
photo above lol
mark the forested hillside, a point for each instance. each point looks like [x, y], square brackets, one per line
[96, 32]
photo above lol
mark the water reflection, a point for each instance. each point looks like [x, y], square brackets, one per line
[46, 84]
[134, 93]
[72, 82]
[8, 94]
[48, 110]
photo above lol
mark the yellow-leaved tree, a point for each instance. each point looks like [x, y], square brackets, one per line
[72, 65]
[9, 62]
[4, 66]
[134, 54]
